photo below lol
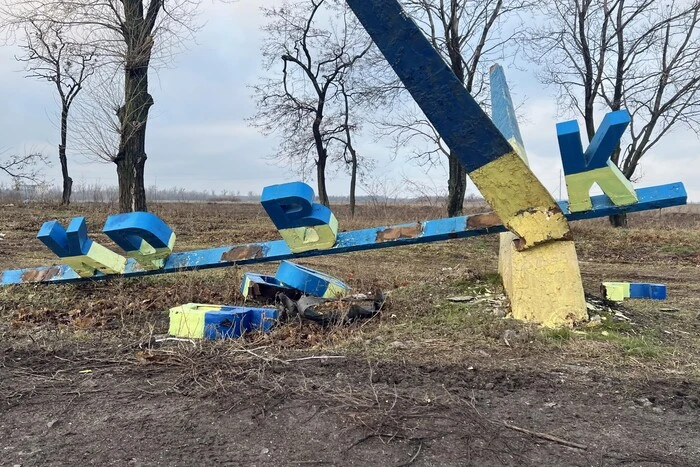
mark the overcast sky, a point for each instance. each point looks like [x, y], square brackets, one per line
[198, 137]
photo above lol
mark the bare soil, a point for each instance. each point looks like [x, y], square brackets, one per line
[87, 379]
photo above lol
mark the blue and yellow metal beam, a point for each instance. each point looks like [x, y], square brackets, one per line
[501, 175]
[367, 239]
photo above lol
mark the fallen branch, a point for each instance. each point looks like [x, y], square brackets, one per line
[320, 357]
[546, 436]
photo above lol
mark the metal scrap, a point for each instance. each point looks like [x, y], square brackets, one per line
[326, 311]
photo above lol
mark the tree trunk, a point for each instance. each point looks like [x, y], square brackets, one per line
[67, 181]
[353, 182]
[457, 180]
[321, 177]
[457, 187]
[133, 117]
[321, 161]
[619, 220]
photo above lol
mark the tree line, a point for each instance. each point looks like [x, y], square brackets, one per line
[327, 90]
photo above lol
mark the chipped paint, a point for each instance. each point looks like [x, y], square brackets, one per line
[403, 231]
[514, 193]
[482, 221]
[40, 275]
[243, 252]
[545, 275]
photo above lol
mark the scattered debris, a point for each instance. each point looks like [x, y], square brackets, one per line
[618, 291]
[669, 310]
[595, 320]
[620, 316]
[465, 298]
[644, 402]
[331, 311]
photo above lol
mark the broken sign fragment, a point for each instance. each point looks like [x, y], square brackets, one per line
[310, 282]
[265, 288]
[618, 291]
[331, 311]
[201, 321]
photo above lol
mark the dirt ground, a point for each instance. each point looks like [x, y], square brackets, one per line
[86, 377]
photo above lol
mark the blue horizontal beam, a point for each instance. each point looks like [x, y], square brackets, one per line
[357, 240]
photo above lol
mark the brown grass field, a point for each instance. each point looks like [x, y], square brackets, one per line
[86, 380]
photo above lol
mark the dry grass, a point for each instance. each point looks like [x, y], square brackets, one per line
[419, 324]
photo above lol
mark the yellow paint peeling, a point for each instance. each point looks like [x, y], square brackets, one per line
[319, 237]
[610, 179]
[520, 200]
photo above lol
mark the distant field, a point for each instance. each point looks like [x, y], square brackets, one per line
[85, 377]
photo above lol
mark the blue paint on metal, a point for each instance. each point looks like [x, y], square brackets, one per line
[290, 205]
[649, 291]
[131, 229]
[262, 319]
[227, 323]
[456, 116]
[655, 197]
[606, 139]
[367, 239]
[503, 112]
[231, 322]
[570, 147]
[72, 241]
[307, 280]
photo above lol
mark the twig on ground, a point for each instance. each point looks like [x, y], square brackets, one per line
[176, 339]
[546, 436]
[319, 357]
[415, 456]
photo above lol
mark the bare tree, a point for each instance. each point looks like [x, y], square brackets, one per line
[470, 35]
[642, 55]
[316, 43]
[50, 55]
[128, 35]
[26, 168]
[356, 165]
[96, 116]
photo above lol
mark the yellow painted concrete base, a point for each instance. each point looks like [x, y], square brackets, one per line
[320, 237]
[543, 283]
[520, 200]
[610, 179]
